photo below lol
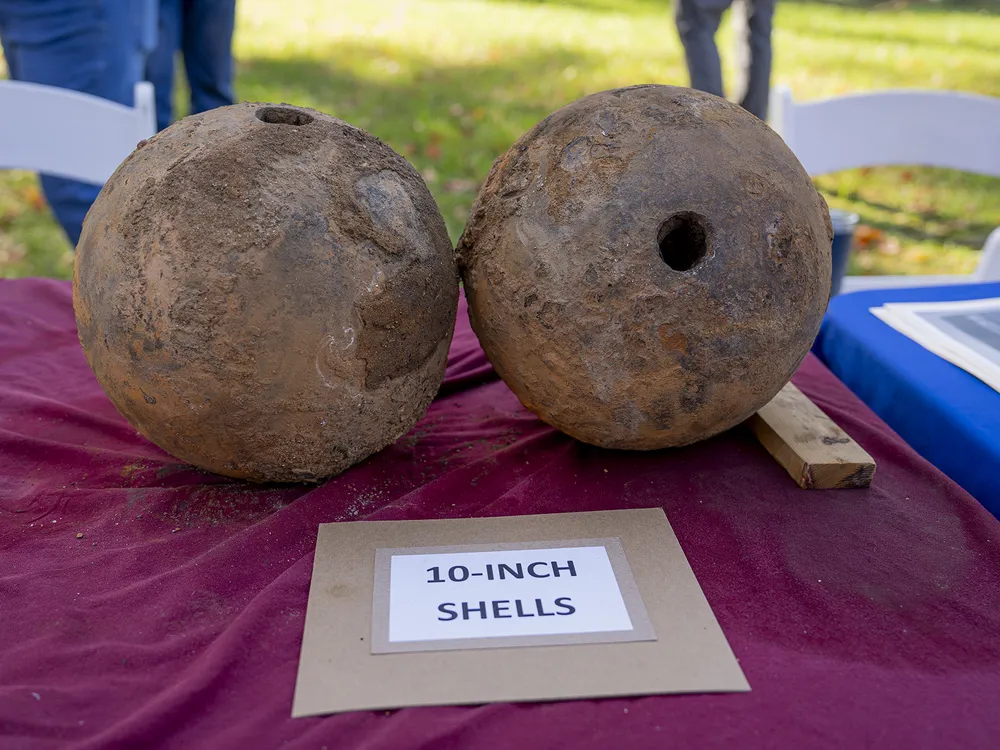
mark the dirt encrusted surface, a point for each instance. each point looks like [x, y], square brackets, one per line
[647, 266]
[267, 292]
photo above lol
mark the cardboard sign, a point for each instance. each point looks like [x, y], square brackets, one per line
[500, 595]
[572, 605]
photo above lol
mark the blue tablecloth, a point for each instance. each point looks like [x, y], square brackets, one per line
[950, 417]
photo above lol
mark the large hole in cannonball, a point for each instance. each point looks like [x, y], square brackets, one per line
[683, 240]
[283, 116]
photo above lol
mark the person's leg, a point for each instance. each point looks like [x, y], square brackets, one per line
[11, 50]
[697, 22]
[753, 45]
[83, 45]
[206, 42]
[160, 64]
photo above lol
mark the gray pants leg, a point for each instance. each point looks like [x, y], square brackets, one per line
[753, 20]
[697, 22]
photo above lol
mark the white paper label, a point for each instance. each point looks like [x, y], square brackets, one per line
[508, 593]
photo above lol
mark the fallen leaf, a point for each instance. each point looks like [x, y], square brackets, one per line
[33, 197]
[866, 236]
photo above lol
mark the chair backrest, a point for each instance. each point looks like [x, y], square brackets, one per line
[903, 127]
[988, 268]
[68, 134]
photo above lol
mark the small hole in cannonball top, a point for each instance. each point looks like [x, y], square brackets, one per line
[683, 240]
[284, 116]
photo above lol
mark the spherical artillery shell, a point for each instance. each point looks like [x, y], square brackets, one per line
[647, 266]
[266, 292]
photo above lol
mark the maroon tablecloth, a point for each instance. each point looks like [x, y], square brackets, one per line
[861, 618]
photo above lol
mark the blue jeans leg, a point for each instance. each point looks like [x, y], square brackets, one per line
[160, 64]
[91, 46]
[697, 21]
[203, 31]
[207, 43]
[753, 48]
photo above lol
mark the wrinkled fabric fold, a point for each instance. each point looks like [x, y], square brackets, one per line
[175, 620]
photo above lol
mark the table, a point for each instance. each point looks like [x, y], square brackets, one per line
[950, 417]
[147, 604]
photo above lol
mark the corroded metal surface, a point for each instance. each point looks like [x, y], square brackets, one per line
[647, 266]
[266, 292]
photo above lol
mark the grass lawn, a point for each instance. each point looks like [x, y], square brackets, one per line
[452, 83]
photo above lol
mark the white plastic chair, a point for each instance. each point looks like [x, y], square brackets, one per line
[905, 127]
[68, 134]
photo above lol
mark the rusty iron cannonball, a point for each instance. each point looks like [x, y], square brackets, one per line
[647, 266]
[267, 292]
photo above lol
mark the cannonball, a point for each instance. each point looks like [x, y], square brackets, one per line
[647, 266]
[266, 292]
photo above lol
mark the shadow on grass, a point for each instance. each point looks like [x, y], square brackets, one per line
[627, 7]
[876, 38]
[451, 121]
[986, 7]
[420, 78]
[883, 34]
[972, 235]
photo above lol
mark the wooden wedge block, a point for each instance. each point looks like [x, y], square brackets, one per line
[812, 448]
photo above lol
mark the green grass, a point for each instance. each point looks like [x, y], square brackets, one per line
[451, 84]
